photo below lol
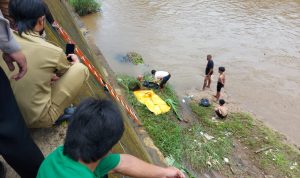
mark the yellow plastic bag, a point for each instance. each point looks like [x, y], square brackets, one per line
[153, 102]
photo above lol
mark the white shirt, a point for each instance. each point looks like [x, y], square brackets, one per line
[160, 74]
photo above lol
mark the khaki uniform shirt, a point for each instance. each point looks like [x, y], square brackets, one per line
[33, 91]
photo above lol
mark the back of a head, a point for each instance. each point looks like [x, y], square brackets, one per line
[153, 72]
[222, 69]
[25, 13]
[221, 102]
[95, 128]
[209, 57]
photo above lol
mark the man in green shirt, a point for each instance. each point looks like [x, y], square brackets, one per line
[95, 128]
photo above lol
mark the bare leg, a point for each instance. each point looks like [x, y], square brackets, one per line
[205, 82]
[217, 96]
[209, 81]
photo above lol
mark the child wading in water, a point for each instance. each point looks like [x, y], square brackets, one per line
[208, 72]
[221, 82]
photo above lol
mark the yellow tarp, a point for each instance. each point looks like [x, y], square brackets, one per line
[153, 102]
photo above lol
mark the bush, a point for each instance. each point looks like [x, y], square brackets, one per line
[84, 7]
[134, 58]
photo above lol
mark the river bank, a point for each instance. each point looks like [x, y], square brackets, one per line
[47, 139]
[240, 146]
[257, 42]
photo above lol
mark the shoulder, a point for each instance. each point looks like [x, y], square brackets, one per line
[48, 163]
[50, 47]
[57, 164]
[107, 164]
[111, 159]
[38, 43]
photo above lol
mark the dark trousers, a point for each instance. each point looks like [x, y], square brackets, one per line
[16, 144]
[164, 81]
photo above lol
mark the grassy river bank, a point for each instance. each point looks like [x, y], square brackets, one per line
[239, 146]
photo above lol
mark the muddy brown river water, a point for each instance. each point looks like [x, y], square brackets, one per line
[257, 41]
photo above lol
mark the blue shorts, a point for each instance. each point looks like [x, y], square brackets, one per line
[164, 81]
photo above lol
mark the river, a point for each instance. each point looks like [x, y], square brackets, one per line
[257, 41]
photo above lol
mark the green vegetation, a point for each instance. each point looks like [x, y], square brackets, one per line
[174, 106]
[84, 7]
[172, 138]
[203, 153]
[273, 155]
[134, 58]
[164, 129]
[207, 144]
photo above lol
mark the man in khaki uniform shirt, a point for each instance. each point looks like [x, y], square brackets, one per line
[51, 83]
[16, 144]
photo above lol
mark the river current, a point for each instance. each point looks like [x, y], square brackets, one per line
[257, 41]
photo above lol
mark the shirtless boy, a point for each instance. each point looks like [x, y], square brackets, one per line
[221, 82]
[208, 72]
[221, 110]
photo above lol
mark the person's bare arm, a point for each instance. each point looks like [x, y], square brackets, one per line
[20, 59]
[11, 49]
[157, 79]
[134, 167]
[223, 80]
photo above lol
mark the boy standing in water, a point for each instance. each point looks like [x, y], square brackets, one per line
[208, 72]
[221, 82]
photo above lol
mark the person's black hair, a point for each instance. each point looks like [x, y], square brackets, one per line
[153, 72]
[222, 69]
[221, 102]
[49, 16]
[95, 128]
[209, 56]
[25, 13]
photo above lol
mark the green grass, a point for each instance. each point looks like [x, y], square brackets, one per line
[254, 135]
[189, 146]
[84, 7]
[163, 129]
[205, 154]
[184, 144]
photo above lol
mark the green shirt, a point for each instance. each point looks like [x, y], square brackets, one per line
[59, 165]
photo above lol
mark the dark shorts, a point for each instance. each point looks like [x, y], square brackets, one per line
[164, 80]
[219, 86]
[220, 115]
[206, 72]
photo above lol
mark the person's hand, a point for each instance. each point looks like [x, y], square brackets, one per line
[54, 78]
[20, 59]
[173, 172]
[55, 25]
[74, 58]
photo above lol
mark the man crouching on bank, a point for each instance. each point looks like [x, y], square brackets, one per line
[95, 128]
